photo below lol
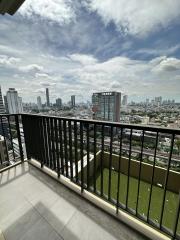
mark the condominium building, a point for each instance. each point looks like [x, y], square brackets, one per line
[3, 152]
[39, 103]
[59, 102]
[14, 102]
[2, 110]
[106, 106]
[125, 100]
[47, 98]
[73, 103]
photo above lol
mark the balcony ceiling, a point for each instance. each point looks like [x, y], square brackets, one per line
[10, 6]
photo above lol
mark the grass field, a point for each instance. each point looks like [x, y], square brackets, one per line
[156, 202]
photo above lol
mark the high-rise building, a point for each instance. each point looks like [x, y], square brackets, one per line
[14, 102]
[147, 101]
[158, 100]
[2, 110]
[3, 120]
[47, 98]
[73, 103]
[125, 100]
[3, 152]
[6, 104]
[106, 106]
[59, 102]
[39, 103]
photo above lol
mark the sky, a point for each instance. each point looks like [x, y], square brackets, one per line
[77, 47]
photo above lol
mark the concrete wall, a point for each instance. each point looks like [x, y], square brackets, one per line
[91, 167]
[146, 171]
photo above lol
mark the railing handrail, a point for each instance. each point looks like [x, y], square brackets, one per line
[61, 142]
[107, 123]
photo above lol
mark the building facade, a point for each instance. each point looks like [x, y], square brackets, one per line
[47, 98]
[14, 102]
[73, 103]
[59, 102]
[2, 110]
[106, 106]
[39, 103]
[3, 152]
[125, 100]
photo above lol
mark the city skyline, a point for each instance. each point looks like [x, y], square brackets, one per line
[100, 49]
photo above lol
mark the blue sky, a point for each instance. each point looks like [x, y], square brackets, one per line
[79, 47]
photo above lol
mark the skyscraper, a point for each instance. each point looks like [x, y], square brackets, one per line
[125, 100]
[2, 110]
[14, 102]
[6, 104]
[47, 97]
[106, 106]
[73, 103]
[3, 152]
[59, 103]
[3, 122]
[39, 103]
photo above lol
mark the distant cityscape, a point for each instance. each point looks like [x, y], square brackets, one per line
[108, 106]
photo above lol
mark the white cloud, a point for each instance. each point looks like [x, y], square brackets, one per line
[60, 11]
[31, 68]
[137, 17]
[83, 59]
[158, 51]
[85, 74]
[42, 75]
[168, 65]
[8, 61]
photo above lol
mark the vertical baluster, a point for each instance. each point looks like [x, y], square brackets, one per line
[75, 149]
[49, 143]
[70, 150]
[46, 156]
[166, 180]
[102, 159]
[57, 147]
[176, 219]
[82, 161]
[119, 170]
[36, 139]
[87, 135]
[139, 175]
[11, 139]
[53, 144]
[19, 137]
[152, 178]
[61, 147]
[94, 170]
[26, 136]
[129, 165]
[41, 141]
[65, 147]
[110, 163]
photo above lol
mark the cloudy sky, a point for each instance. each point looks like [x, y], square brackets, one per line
[83, 46]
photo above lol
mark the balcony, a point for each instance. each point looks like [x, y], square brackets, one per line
[121, 169]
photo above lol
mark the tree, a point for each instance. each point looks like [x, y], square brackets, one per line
[178, 145]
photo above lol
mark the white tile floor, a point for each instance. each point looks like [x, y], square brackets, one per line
[33, 207]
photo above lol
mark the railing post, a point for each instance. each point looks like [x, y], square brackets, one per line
[19, 137]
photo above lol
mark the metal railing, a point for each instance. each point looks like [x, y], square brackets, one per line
[134, 167]
[11, 140]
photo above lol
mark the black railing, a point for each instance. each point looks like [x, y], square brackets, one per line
[11, 140]
[135, 168]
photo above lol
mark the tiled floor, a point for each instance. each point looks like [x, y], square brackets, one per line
[34, 206]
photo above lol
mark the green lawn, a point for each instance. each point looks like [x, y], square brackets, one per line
[157, 197]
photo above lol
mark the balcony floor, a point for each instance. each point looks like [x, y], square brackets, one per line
[33, 206]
